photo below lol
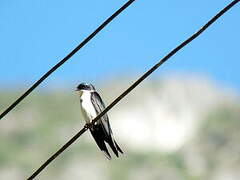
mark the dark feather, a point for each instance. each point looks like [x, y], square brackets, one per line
[118, 148]
[103, 124]
[99, 137]
[112, 145]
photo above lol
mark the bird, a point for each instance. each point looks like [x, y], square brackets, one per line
[91, 105]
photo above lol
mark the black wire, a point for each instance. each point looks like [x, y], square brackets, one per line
[85, 41]
[73, 139]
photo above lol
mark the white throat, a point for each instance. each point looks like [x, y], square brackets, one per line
[81, 92]
[87, 107]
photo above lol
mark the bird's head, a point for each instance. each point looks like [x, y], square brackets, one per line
[85, 86]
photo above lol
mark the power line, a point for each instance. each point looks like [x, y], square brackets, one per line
[85, 41]
[144, 76]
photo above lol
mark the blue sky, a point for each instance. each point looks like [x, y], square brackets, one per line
[35, 35]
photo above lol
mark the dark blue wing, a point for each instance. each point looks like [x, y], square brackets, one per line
[99, 107]
[104, 122]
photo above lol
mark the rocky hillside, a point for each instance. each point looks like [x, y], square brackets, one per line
[174, 128]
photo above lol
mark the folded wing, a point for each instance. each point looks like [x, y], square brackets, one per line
[103, 127]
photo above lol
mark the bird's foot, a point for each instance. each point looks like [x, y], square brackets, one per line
[87, 125]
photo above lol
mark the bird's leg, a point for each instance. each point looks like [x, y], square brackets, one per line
[87, 125]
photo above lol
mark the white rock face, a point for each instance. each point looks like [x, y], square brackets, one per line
[164, 115]
[158, 126]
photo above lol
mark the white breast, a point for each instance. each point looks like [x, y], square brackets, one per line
[87, 108]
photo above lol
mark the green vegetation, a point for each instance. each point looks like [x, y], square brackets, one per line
[44, 122]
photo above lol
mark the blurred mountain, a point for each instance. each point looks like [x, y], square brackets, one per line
[179, 127]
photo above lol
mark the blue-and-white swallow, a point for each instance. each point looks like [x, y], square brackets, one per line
[91, 105]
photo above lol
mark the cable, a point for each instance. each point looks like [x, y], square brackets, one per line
[85, 41]
[144, 76]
